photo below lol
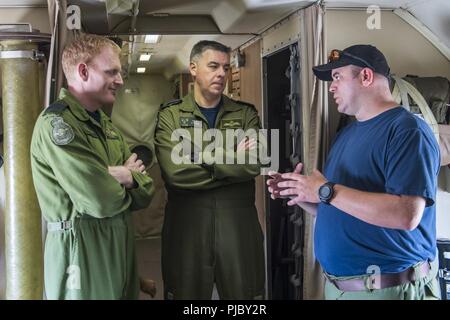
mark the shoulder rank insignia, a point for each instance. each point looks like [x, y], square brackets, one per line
[56, 107]
[171, 103]
[62, 132]
[231, 123]
[244, 103]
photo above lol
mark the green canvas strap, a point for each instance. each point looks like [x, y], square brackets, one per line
[59, 226]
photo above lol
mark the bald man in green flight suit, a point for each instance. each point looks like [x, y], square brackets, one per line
[211, 233]
[87, 181]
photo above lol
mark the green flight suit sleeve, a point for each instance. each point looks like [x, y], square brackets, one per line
[80, 171]
[179, 176]
[238, 171]
[143, 193]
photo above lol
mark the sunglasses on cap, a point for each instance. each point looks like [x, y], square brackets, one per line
[336, 54]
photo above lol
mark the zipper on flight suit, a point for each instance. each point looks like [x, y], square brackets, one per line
[103, 138]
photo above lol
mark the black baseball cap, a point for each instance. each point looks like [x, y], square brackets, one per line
[361, 55]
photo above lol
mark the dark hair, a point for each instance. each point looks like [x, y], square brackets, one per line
[204, 45]
[355, 70]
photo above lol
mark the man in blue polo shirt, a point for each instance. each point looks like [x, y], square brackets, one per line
[375, 235]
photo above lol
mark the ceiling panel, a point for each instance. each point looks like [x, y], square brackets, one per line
[16, 3]
[178, 6]
[232, 16]
[436, 17]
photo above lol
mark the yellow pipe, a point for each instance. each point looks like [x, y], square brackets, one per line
[21, 105]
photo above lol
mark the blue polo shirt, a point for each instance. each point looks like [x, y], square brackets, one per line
[396, 153]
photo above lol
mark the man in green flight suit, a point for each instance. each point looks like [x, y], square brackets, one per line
[211, 232]
[87, 181]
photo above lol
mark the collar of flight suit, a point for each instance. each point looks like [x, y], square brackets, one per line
[77, 109]
[189, 104]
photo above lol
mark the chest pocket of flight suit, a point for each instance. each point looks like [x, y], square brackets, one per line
[95, 142]
[187, 126]
[232, 128]
[115, 147]
[109, 149]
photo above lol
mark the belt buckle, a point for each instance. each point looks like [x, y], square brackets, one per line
[422, 270]
[373, 280]
[370, 282]
[65, 225]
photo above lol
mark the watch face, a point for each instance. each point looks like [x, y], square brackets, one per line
[324, 191]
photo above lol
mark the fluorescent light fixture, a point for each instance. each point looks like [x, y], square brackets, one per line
[145, 57]
[152, 38]
[140, 70]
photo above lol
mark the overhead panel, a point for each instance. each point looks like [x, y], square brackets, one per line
[177, 24]
[94, 16]
[116, 16]
[175, 6]
[121, 7]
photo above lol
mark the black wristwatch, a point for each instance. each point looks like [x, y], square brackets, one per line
[326, 192]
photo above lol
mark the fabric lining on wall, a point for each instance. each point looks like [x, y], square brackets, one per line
[315, 129]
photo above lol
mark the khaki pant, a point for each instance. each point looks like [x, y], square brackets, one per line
[95, 260]
[427, 288]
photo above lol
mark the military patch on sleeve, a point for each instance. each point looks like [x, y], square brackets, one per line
[62, 132]
[231, 123]
[186, 122]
